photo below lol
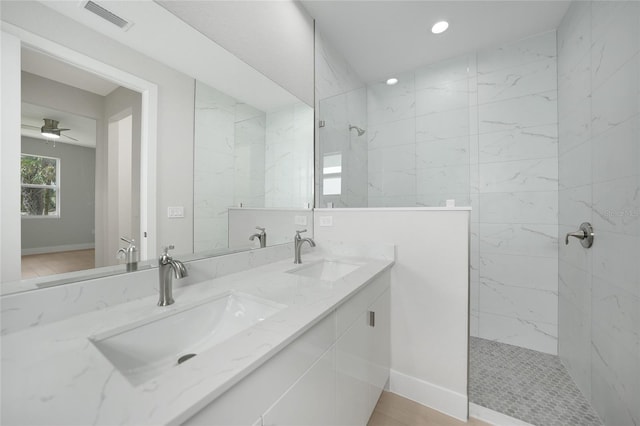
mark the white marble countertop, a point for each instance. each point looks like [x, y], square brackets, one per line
[52, 374]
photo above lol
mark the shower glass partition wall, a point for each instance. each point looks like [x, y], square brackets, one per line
[479, 129]
[415, 149]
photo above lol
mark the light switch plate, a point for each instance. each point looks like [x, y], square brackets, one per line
[174, 212]
[301, 220]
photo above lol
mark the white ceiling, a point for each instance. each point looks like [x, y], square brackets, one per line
[160, 35]
[384, 37]
[38, 63]
[81, 128]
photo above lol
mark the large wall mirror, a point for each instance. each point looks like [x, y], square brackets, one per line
[247, 159]
[196, 161]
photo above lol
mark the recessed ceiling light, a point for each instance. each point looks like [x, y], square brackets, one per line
[440, 27]
[392, 81]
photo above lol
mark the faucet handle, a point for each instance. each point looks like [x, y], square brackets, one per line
[260, 228]
[165, 250]
[300, 231]
[128, 241]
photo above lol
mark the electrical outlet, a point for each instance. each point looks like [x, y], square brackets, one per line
[326, 220]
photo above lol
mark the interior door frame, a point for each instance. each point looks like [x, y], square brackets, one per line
[148, 132]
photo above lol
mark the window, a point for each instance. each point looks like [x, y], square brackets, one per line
[332, 174]
[40, 186]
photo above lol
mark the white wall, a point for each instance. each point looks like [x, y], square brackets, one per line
[175, 110]
[599, 288]
[117, 104]
[10, 164]
[278, 44]
[429, 296]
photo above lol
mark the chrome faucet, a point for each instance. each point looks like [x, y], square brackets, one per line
[262, 237]
[298, 241]
[167, 263]
[130, 254]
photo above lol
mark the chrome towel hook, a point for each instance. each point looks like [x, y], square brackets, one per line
[585, 235]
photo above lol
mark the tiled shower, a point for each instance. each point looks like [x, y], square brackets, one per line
[482, 130]
[537, 135]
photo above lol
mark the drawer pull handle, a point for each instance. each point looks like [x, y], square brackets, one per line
[372, 319]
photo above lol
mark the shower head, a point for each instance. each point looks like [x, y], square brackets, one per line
[358, 129]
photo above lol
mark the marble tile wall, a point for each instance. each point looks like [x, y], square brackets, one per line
[246, 157]
[514, 189]
[288, 177]
[229, 163]
[249, 157]
[419, 132]
[599, 181]
[214, 135]
[482, 129]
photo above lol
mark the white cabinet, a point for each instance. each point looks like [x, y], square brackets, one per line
[362, 363]
[310, 401]
[252, 396]
[352, 374]
[380, 355]
[331, 375]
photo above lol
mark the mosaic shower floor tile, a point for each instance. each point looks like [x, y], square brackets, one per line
[528, 385]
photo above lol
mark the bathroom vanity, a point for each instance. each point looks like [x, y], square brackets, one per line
[275, 344]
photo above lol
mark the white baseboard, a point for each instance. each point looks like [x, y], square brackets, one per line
[433, 396]
[57, 249]
[493, 417]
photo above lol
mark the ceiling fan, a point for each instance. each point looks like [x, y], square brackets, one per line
[50, 129]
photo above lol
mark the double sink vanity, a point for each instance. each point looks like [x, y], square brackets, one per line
[275, 343]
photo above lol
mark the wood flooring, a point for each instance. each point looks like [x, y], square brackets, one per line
[39, 265]
[394, 410]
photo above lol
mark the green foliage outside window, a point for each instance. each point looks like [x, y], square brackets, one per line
[39, 191]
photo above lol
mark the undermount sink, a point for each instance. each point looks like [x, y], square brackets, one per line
[326, 270]
[144, 350]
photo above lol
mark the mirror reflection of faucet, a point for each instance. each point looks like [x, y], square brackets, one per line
[298, 241]
[262, 237]
[167, 264]
[129, 254]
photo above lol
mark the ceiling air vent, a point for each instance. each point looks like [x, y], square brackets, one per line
[107, 15]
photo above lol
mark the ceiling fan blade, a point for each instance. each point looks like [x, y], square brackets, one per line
[69, 137]
[62, 130]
